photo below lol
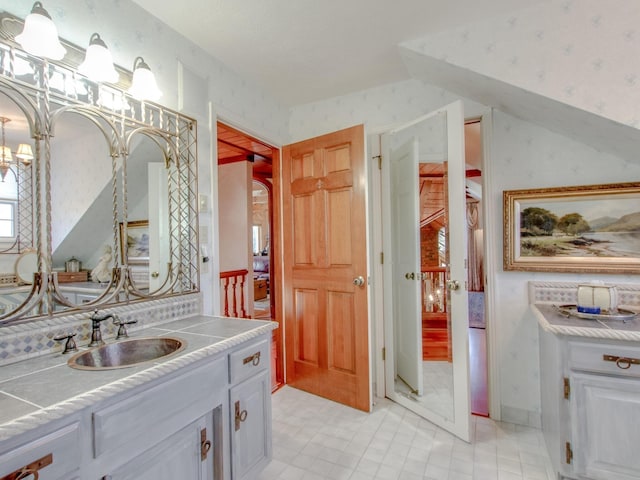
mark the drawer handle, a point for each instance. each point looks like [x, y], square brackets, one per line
[205, 444]
[241, 415]
[28, 473]
[31, 470]
[622, 362]
[253, 359]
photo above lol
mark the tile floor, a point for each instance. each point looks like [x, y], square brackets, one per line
[316, 439]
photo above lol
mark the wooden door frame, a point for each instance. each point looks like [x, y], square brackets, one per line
[275, 268]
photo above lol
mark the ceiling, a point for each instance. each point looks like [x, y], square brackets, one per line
[235, 146]
[306, 50]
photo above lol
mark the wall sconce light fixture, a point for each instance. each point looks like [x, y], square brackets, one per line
[40, 35]
[143, 84]
[98, 62]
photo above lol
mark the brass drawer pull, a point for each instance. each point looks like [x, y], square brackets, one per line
[241, 415]
[253, 359]
[205, 444]
[31, 470]
[622, 362]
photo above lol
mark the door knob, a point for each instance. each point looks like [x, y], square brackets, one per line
[155, 274]
[453, 284]
[358, 281]
[410, 276]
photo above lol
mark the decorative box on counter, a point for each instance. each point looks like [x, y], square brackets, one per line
[597, 298]
[69, 277]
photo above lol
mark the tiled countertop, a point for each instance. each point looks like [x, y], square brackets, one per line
[34, 390]
[551, 319]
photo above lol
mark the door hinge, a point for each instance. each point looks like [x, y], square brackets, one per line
[382, 257]
[379, 157]
[567, 388]
[384, 353]
[568, 453]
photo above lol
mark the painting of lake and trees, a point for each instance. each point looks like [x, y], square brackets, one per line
[580, 227]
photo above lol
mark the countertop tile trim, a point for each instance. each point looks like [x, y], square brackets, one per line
[79, 402]
[31, 339]
[566, 293]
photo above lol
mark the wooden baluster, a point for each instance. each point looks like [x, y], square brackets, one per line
[234, 278]
[243, 311]
[226, 297]
[235, 296]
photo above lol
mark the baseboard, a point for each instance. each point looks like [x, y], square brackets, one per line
[520, 416]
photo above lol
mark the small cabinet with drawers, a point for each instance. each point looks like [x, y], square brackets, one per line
[591, 406]
[250, 409]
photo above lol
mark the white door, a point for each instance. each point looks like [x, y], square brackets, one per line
[159, 254]
[444, 399]
[406, 255]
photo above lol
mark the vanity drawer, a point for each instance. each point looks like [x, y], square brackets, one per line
[56, 453]
[127, 427]
[605, 358]
[248, 361]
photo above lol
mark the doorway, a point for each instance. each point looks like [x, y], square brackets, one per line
[433, 205]
[252, 279]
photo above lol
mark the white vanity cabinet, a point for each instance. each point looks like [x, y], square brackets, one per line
[52, 455]
[173, 426]
[204, 415]
[591, 406]
[181, 455]
[250, 410]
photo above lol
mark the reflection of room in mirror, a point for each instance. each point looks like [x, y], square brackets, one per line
[438, 391]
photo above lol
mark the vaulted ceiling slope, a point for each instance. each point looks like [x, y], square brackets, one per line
[302, 51]
[572, 66]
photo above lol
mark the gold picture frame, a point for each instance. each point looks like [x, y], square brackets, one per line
[135, 251]
[583, 229]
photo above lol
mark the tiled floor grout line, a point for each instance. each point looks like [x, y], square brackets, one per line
[316, 439]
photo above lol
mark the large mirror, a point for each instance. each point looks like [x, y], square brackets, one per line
[426, 322]
[18, 228]
[103, 209]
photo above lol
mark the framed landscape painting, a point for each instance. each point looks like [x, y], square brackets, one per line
[135, 248]
[592, 228]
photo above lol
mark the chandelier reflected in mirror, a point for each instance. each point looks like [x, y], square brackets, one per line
[24, 153]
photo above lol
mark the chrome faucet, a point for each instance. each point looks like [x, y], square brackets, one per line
[96, 334]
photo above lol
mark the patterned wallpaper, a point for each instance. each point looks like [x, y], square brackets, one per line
[129, 31]
[581, 52]
[576, 55]
[522, 155]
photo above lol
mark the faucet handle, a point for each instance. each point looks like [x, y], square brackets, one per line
[122, 327]
[70, 345]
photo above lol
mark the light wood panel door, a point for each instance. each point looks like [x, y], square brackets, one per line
[325, 267]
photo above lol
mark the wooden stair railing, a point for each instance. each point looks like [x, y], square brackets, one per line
[232, 282]
[434, 296]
